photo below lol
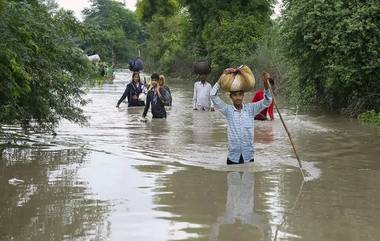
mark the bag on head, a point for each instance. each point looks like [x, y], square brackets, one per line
[202, 67]
[136, 65]
[238, 82]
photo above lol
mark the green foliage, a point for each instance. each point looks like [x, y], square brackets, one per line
[204, 11]
[223, 32]
[164, 46]
[2, 2]
[370, 117]
[112, 31]
[231, 40]
[333, 49]
[226, 32]
[166, 27]
[147, 9]
[41, 69]
[268, 57]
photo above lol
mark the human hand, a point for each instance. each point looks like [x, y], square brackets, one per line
[229, 71]
[266, 84]
[134, 97]
[239, 69]
[266, 78]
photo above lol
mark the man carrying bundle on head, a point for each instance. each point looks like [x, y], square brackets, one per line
[240, 117]
[202, 88]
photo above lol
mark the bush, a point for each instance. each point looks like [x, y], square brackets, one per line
[370, 117]
[333, 52]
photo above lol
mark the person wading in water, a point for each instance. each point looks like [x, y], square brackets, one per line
[157, 97]
[132, 92]
[240, 119]
[201, 97]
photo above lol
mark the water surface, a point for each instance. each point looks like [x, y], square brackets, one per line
[120, 178]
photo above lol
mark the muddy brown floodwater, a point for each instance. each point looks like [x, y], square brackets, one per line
[120, 178]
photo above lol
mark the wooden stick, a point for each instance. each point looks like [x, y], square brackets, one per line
[286, 129]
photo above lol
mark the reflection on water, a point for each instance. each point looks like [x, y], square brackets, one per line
[120, 178]
[240, 207]
[51, 203]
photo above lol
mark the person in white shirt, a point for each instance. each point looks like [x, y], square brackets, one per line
[201, 97]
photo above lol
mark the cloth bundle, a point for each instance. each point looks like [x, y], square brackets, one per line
[237, 82]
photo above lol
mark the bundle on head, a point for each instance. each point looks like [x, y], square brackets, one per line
[237, 82]
[136, 65]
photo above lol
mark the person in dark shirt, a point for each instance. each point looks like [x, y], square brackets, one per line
[162, 83]
[132, 92]
[157, 97]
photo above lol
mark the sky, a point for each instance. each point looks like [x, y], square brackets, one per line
[78, 5]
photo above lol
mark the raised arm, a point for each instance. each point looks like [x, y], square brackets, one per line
[262, 104]
[266, 101]
[217, 101]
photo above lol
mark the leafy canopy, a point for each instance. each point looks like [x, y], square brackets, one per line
[42, 70]
[333, 49]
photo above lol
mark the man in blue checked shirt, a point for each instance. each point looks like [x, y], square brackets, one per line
[240, 119]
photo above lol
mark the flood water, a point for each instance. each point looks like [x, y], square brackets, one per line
[120, 178]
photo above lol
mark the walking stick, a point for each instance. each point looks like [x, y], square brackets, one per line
[286, 129]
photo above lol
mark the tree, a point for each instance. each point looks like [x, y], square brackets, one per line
[164, 45]
[333, 51]
[227, 32]
[146, 9]
[113, 31]
[42, 70]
